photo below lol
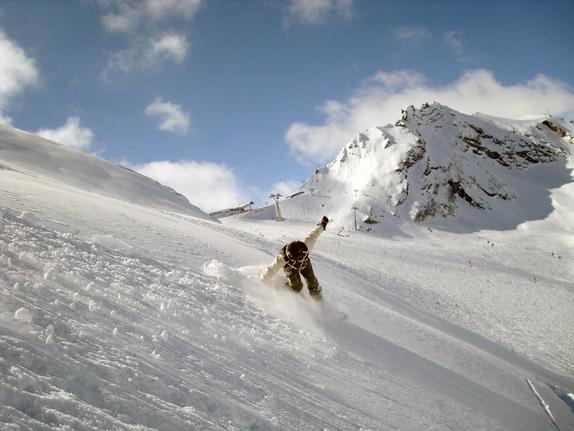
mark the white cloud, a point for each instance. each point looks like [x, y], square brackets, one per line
[71, 134]
[210, 186]
[149, 55]
[172, 117]
[380, 99]
[161, 9]
[129, 14]
[316, 11]
[286, 188]
[411, 34]
[170, 45]
[393, 81]
[455, 43]
[124, 20]
[17, 72]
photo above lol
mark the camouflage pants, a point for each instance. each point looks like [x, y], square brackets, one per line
[295, 282]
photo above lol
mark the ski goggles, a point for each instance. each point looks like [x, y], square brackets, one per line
[303, 256]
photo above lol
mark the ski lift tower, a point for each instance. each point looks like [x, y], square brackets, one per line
[314, 182]
[276, 197]
[355, 208]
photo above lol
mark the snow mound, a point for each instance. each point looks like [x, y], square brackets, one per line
[109, 241]
[29, 154]
[23, 315]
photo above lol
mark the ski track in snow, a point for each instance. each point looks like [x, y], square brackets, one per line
[110, 319]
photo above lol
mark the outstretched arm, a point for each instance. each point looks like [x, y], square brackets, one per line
[268, 273]
[313, 236]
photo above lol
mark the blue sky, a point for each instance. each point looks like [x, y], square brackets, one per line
[240, 98]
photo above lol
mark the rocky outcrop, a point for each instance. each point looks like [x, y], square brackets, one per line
[555, 128]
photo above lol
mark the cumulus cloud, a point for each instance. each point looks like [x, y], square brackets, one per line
[172, 117]
[411, 34]
[380, 99]
[208, 185]
[170, 45]
[126, 15]
[147, 50]
[316, 11]
[71, 134]
[285, 188]
[17, 72]
[149, 55]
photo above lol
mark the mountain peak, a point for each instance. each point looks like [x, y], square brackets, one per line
[438, 165]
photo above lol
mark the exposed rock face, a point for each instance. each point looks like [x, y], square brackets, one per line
[434, 162]
[556, 128]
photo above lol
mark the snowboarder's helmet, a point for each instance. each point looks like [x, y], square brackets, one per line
[296, 250]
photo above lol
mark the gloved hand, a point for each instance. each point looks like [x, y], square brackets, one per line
[323, 222]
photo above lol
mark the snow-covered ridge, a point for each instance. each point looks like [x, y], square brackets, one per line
[32, 155]
[441, 166]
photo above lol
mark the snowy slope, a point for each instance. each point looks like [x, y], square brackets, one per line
[27, 153]
[439, 166]
[122, 316]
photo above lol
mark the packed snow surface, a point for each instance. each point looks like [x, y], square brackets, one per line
[117, 314]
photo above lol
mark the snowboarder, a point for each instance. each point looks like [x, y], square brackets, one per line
[294, 258]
